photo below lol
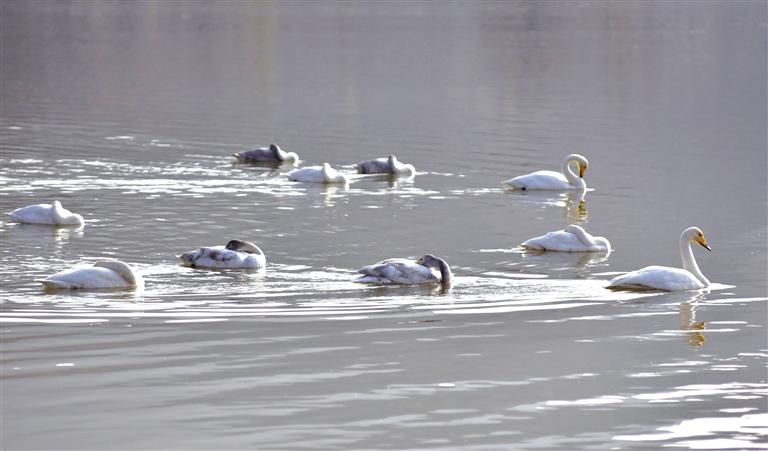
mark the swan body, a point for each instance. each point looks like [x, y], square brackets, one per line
[666, 278]
[389, 165]
[53, 214]
[550, 180]
[573, 239]
[273, 153]
[235, 255]
[318, 174]
[427, 269]
[102, 275]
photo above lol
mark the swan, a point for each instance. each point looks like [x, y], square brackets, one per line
[236, 254]
[318, 174]
[666, 278]
[573, 239]
[266, 154]
[550, 180]
[407, 272]
[53, 214]
[389, 165]
[103, 274]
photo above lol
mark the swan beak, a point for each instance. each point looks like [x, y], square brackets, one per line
[704, 244]
[582, 170]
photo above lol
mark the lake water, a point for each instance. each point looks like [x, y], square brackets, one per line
[128, 113]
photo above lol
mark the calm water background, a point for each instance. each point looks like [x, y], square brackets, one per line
[127, 113]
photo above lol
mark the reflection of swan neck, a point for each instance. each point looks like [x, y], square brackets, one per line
[573, 179]
[689, 261]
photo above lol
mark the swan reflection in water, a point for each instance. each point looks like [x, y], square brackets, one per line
[581, 263]
[695, 337]
[574, 202]
[45, 234]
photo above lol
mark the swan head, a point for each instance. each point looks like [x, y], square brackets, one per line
[695, 235]
[581, 162]
[243, 246]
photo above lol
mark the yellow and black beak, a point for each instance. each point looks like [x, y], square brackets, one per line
[703, 243]
[582, 170]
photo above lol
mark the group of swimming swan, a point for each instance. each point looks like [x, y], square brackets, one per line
[324, 173]
[238, 254]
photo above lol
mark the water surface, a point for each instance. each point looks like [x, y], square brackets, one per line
[128, 112]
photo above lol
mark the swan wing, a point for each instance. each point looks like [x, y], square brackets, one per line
[540, 180]
[86, 277]
[260, 154]
[308, 174]
[397, 270]
[375, 166]
[220, 257]
[657, 278]
[559, 240]
[34, 214]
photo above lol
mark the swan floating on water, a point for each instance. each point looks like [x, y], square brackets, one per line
[389, 165]
[53, 214]
[273, 153]
[666, 278]
[550, 180]
[318, 174]
[103, 274]
[573, 239]
[427, 269]
[236, 254]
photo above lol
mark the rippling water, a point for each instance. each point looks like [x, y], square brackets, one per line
[128, 113]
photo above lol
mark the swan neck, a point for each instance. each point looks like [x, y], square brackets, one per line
[445, 273]
[583, 236]
[689, 261]
[572, 177]
[58, 212]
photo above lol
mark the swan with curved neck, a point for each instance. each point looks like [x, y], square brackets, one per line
[318, 174]
[665, 278]
[573, 239]
[106, 274]
[389, 165]
[567, 179]
[53, 214]
[427, 269]
[273, 153]
[236, 254]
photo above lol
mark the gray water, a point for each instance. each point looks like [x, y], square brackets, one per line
[128, 113]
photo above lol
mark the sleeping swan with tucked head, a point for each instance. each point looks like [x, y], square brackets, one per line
[236, 254]
[427, 269]
[389, 165]
[106, 274]
[53, 214]
[273, 153]
[550, 180]
[666, 278]
[318, 174]
[573, 239]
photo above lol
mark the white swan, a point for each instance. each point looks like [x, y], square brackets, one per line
[573, 239]
[666, 278]
[273, 153]
[53, 214]
[389, 165]
[318, 174]
[236, 254]
[550, 180]
[103, 274]
[407, 272]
